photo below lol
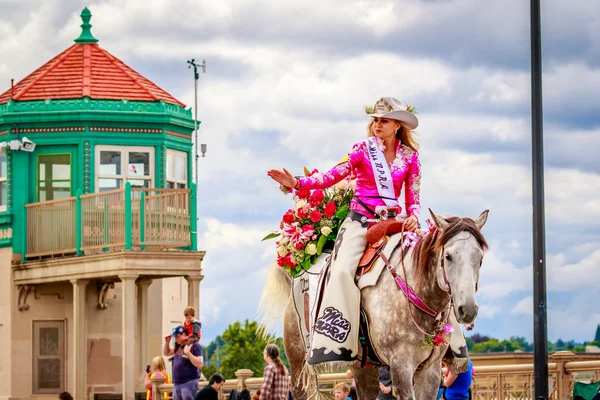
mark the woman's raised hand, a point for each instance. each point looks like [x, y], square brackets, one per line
[282, 177]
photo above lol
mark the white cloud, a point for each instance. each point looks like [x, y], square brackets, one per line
[488, 311]
[525, 307]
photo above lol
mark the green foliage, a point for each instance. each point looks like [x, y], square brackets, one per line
[494, 346]
[239, 347]
[597, 337]
[243, 348]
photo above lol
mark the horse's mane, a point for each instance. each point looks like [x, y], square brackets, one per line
[432, 243]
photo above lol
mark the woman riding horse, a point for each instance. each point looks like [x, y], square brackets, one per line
[382, 163]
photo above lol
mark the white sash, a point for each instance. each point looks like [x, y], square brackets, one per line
[383, 177]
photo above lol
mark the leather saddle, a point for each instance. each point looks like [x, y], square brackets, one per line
[377, 237]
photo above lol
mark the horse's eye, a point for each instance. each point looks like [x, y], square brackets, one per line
[480, 263]
[448, 257]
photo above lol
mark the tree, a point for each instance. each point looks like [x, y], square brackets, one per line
[597, 337]
[477, 338]
[560, 344]
[243, 349]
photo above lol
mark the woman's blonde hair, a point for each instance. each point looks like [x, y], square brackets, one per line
[403, 134]
[158, 363]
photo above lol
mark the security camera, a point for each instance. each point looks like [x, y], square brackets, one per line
[27, 145]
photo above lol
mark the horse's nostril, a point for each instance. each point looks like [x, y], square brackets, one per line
[461, 312]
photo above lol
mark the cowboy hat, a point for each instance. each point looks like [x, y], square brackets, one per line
[392, 108]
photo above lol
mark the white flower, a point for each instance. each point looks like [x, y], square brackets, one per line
[311, 249]
[326, 230]
[284, 240]
[282, 251]
[301, 203]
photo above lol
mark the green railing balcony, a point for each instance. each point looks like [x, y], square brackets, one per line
[124, 219]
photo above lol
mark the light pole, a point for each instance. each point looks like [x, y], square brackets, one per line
[540, 325]
[192, 63]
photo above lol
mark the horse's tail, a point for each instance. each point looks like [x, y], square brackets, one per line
[275, 298]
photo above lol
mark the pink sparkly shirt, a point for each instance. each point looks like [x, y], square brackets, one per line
[405, 169]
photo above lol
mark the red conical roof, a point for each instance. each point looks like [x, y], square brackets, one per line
[86, 70]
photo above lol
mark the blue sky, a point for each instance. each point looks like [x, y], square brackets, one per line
[286, 86]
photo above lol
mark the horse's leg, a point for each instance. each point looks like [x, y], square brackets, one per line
[367, 382]
[402, 377]
[294, 350]
[427, 382]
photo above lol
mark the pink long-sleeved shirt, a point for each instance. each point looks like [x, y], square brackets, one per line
[405, 169]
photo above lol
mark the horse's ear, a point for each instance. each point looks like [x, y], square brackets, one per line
[482, 219]
[438, 220]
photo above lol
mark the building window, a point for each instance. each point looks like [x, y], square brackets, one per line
[54, 176]
[3, 189]
[48, 357]
[116, 165]
[176, 169]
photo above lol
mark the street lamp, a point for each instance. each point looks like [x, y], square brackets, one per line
[192, 63]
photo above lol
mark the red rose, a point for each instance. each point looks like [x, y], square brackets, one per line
[303, 193]
[315, 216]
[288, 217]
[329, 209]
[300, 245]
[280, 261]
[302, 213]
[316, 198]
[287, 260]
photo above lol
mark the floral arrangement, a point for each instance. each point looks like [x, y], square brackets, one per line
[310, 226]
[410, 108]
[439, 337]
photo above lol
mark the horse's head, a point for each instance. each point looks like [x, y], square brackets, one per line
[460, 247]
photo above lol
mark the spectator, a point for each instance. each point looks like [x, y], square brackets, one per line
[186, 370]
[385, 384]
[353, 393]
[256, 396]
[276, 383]
[158, 369]
[211, 391]
[341, 391]
[457, 386]
[65, 396]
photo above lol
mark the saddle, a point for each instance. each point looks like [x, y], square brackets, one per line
[377, 237]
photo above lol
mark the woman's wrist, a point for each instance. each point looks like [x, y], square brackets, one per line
[296, 183]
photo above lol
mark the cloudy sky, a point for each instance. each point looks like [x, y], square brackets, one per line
[286, 86]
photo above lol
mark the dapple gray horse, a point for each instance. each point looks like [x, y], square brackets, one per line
[443, 269]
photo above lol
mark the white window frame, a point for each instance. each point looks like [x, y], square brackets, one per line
[3, 179]
[177, 153]
[124, 176]
[61, 325]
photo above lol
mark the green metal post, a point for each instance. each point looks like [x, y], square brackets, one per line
[106, 224]
[128, 226]
[78, 223]
[194, 217]
[24, 235]
[142, 220]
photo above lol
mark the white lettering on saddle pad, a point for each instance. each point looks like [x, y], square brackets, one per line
[333, 325]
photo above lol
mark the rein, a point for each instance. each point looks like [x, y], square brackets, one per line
[412, 297]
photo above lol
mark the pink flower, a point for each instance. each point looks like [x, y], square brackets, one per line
[315, 216]
[439, 340]
[329, 209]
[447, 329]
[314, 237]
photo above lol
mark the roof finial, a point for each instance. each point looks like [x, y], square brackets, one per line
[86, 33]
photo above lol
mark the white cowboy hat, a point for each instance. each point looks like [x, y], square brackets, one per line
[392, 108]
